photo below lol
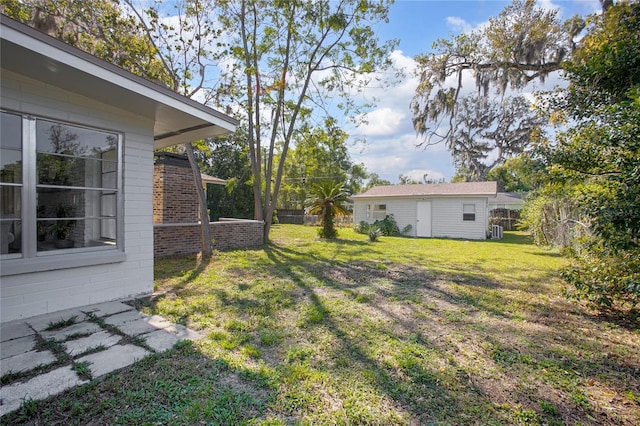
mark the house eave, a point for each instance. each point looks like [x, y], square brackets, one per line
[177, 118]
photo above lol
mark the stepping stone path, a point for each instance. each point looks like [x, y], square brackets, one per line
[41, 356]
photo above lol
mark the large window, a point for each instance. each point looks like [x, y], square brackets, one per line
[61, 187]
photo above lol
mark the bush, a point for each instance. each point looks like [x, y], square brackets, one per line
[604, 278]
[387, 226]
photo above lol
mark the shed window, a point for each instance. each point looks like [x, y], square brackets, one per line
[469, 212]
[60, 188]
[379, 211]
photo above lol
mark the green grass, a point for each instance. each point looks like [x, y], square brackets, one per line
[400, 331]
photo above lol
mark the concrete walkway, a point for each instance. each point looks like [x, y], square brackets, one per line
[48, 354]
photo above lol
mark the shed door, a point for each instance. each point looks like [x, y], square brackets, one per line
[423, 219]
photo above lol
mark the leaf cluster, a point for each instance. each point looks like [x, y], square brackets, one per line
[600, 156]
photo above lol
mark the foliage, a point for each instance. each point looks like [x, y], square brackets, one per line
[552, 217]
[523, 173]
[228, 158]
[373, 231]
[327, 200]
[387, 226]
[523, 43]
[278, 48]
[375, 180]
[599, 156]
[91, 25]
[319, 154]
[487, 133]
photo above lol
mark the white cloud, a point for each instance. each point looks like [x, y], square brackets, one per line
[458, 24]
[420, 174]
[383, 122]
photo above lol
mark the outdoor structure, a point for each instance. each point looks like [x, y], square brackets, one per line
[76, 177]
[449, 210]
[176, 219]
[504, 210]
[507, 200]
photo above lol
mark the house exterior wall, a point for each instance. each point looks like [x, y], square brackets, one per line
[446, 218]
[403, 210]
[446, 215]
[31, 293]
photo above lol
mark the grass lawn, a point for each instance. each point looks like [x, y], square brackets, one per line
[401, 331]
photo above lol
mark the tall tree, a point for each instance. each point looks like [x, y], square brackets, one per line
[186, 47]
[600, 156]
[489, 132]
[291, 55]
[523, 43]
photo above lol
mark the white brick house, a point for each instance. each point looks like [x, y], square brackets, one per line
[448, 210]
[76, 166]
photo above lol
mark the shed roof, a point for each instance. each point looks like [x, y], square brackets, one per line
[488, 189]
[177, 118]
[508, 198]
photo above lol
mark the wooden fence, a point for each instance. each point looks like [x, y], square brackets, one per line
[506, 218]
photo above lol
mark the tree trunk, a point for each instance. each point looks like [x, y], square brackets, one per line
[205, 232]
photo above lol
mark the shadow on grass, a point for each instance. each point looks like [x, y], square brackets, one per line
[459, 345]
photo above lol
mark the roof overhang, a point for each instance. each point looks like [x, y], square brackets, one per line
[177, 118]
[212, 180]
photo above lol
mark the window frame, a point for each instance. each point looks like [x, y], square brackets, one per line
[468, 216]
[378, 211]
[32, 260]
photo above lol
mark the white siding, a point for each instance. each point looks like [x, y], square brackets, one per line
[446, 215]
[447, 218]
[29, 294]
[403, 210]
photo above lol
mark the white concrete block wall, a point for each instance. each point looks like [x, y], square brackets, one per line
[25, 295]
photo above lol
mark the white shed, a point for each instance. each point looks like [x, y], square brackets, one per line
[76, 173]
[447, 210]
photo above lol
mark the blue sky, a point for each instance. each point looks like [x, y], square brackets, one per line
[390, 148]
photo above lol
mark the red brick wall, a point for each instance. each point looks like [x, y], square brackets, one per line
[185, 239]
[175, 198]
[175, 201]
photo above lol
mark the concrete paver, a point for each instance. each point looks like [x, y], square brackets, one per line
[135, 328]
[19, 339]
[114, 358]
[183, 332]
[26, 361]
[14, 330]
[78, 328]
[39, 387]
[160, 340]
[101, 338]
[107, 308]
[41, 322]
[124, 317]
[158, 322]
[17, 346]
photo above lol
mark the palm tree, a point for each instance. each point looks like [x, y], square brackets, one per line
[327, 201]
